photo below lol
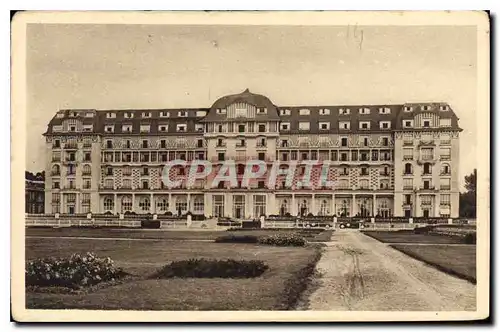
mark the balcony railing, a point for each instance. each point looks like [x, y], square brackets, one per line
[86, 173]
[70, 187]
[445, 142]
[71, 146]
[407, 157]
[444, 187]
[426, 143]
[445, 158]
[220, 145]
[427, 188]
[407, 187]
[407, 143]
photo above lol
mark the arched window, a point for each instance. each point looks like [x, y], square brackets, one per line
[427, 168]
[284, 207]
[445, 169]
[56, 170]
[126, 204]
[86, 170]
[344, 209]
[323, 208]
[109, 204]
[408, 168]
[145, 204]
[181, 205]
[162, 205]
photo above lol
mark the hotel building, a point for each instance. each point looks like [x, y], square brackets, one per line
[386, 160]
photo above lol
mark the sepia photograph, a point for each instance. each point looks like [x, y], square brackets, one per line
[250, 166]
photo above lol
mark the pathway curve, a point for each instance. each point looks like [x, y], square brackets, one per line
[361, 273]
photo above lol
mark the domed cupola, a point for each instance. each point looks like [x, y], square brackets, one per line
[244, 104]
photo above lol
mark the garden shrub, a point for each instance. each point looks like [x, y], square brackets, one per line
[237, 239]
[150, 223]
[470, 238]
[211, 268]
[285, 240]
[73, 272]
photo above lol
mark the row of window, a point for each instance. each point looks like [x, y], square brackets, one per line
[427, 123]
[361, 110]
[444, 199]
[427, 169]
[444, 184]
[71, 156]
[145, 144]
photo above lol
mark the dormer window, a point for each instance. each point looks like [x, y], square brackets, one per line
[344, 125]
[324, 111]
[304, 111]
[201, 113]
[127, 128]
[163, 128]
[364, 110]
[221, 111]
[146, 114]
[426, 123]
[182, 128]
[110, 115]
[407, 123]
[425, 108]
[183, 114]
[89, 115]
[384, 110]
[285, 126]
[344, 111]
[199, 127]
[408, 109]
[60, 115]
[445, 122]
[324, 125]
[128, 115]
[385, 125]
[56, 128]
[285, 112]
[444, 108]
[364, 125]
[109, 128]
[164, 114]
[73, 114]
[88, 128]
[261, 110]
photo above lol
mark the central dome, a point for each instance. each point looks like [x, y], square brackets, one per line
[244, 97]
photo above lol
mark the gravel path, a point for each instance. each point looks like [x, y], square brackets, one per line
[361, 273]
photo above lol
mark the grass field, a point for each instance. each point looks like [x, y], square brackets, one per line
[457, 260]
[410, 237]
[164, 234]
[277, 289]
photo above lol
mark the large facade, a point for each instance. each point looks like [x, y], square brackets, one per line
[386, 160]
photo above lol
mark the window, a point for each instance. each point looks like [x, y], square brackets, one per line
[365, 141]
[127, 144]
[241, 128]
[109, 144]
[87, 170]
[385, 141]
[221, 111]
[261, 110]
[109, 171]
[427, 153]
[221, 156]
[407, 154]
[262, 128]
[128, 115]
[146, 114]
[445, 122]
[324, 111]
[199, 127]
[87, 183]
[426, 123]
[145, 184]
[364, 125]
[385, 125]
[145, 144]
[126, 204]
[444, 199]
[55, 185]
[364, 110]
[201, 113]
[109, 128]
[407, 199]
[182, 114]
[364, 170]
[324, 125]
[145, 128]
[344, 111]
[427, 169]
[163, 128]
[285, 126]
[408, 109]
[345, 125]
[408, 169]
[445, 169]
[304, 111]
[145, 204]
[109, 204]
[127, 184]
[407, 123]
[285, 112]
[445, 184]
[444, 108]
[425, 108]
[344, 171]
[164, 114]
[262, 156]
[127, 128]
[408, 184]
[343, 141]
[304, 125]
[363, 184]
[110, 115]
[384, 110]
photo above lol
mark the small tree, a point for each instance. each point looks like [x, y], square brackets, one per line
[468, 198]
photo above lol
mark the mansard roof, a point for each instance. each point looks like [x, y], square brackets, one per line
[97, 120]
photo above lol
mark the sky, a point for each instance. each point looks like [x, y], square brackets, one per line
[175, 66]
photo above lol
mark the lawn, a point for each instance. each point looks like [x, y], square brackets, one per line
[457, 260]
[410, 237]
[277, 289]
[165, 234]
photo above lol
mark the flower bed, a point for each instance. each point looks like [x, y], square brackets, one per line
[283, 240]
[74, 272]
[211, 268]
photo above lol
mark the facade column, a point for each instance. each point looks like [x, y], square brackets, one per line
[374, 200]
[271, 205]
[417, 206]
[189, 203]
[151, 204]
[61, 203]
[207, 204]
[115, 200]
[314, 209]
[294, 206]
[354, 208]
[171, 206]
[334, 212]
[228, 205]
[133, 202]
